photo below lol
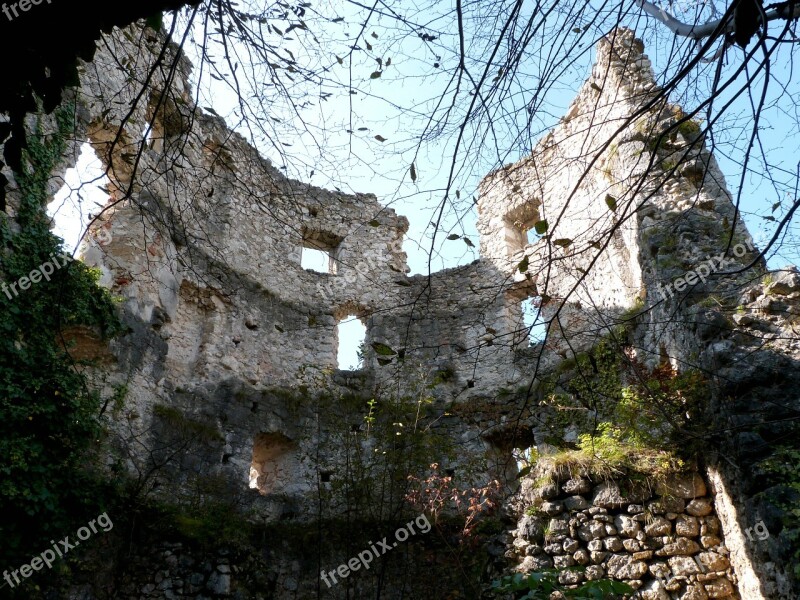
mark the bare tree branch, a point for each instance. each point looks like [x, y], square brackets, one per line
[725, 24]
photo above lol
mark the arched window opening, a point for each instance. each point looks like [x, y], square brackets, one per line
[350, 334]
[83, 195]
[274, 463]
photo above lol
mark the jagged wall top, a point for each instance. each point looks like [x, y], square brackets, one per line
[622, 160]
[566, 181]
[622, 80]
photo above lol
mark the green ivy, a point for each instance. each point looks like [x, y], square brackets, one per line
[783, 467]
[659, 411]
[49, 417]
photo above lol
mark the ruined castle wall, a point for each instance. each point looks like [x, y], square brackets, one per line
[231, 350]
[617, 197]
[231, 338]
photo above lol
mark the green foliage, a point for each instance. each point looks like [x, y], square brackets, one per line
[533, 511]
[581, 385]
[396, 437]
[633, 420]
[668, 165]
[539, 585]
[783, 467]
[607, 453]
[689, 129]
[598, 375]
[48, 415]
[117, 400]
[606, 445]
[210, 524]
[633, 311]
[369, 418]
[712, 302]
[656, 142]
[661, 407]
[185, 426]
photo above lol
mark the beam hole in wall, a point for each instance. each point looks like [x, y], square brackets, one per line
[274, 463]
[79, 199]
[350, 335]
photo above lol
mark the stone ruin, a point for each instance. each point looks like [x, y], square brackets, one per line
[233, 344]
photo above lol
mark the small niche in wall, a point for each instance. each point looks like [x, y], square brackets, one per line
[275, 462]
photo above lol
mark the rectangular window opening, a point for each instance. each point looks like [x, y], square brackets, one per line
[350, 334]
[319, 251]
[314, 259]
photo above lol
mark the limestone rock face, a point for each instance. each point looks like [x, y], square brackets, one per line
[681, 546]
[683, 565]
[719, 588]
[658, 527]
[577, 485]
[699, 507]
[608, 495]
[575, 503]
[626, 526]
[713, 561]
[687, 526]
[654, 590]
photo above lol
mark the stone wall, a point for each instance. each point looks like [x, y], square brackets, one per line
[666, 542]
